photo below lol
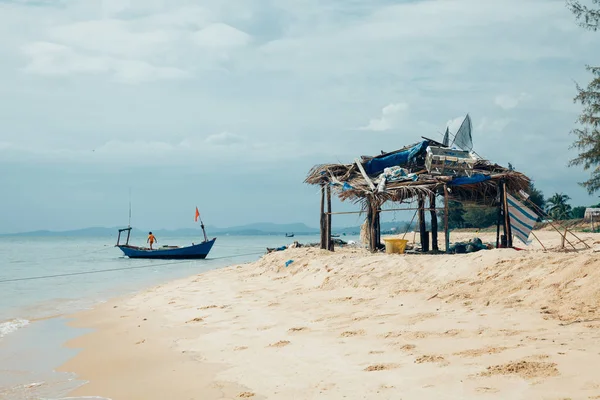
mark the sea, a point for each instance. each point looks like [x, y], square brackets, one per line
[43, 280]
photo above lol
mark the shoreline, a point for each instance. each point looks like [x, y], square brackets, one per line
[497, 323]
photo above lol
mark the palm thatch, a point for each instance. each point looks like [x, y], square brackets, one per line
[350, 184]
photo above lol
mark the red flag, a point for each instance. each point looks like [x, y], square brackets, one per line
[197, 215]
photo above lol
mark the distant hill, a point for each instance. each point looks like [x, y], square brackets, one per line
[259, 228]
[251, 229]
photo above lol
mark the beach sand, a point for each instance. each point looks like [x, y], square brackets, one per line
[498, 324]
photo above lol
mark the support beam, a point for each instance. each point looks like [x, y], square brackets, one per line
[323, 219]
[446, 223]
[422, 225]
[377, 227]
[504, 216]
[329, 239]
[508, 230]
[364, 174]
[499, 216]
[434, 223]
[370, 218]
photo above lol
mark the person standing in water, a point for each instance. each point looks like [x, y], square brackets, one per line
[151, 239]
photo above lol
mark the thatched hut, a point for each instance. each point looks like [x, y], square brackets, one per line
[422, 171]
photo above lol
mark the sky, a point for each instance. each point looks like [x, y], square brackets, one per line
[226, 105]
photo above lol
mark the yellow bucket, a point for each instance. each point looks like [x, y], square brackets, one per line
[395, 246]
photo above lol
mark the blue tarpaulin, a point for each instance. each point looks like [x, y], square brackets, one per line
[466, 180]
[376, 166]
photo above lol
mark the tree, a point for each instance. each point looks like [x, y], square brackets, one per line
[536, 196]
[456, 213]
[558, 206]
[588, 133]
[478, 217]
[587, 17]
[578, 212]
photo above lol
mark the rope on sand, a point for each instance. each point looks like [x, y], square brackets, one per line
[30, 278]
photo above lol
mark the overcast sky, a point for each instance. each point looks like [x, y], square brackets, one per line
[227, 104]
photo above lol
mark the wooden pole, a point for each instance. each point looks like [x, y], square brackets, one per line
[509, 243]
[504, 217]
[323, 222]
[422, 226]
[446, 223]
[373, 228]
[370, 223]
[499, 216]
[329, 241]
[542, 212]
[378, 227]
[434, 223]
[539, 241]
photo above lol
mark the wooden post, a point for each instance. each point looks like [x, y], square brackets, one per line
[323, 220]
[434, 223]
[499, 217]
[446, 224]
[329, 241]
[422, 226]
[372, 228]
[377, 227]
[370, 218]
[507, 229]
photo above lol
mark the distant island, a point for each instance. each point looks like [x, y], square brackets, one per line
[255, 229]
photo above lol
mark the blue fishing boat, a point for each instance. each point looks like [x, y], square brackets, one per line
[195, 251]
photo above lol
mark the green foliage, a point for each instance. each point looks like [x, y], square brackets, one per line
[588, 131]
[536, 196]
[470, 217]
[558, 207]
[456, 215]
[480, 217]
[587, 17]
[578, 212]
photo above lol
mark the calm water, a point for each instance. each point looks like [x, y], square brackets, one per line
[24, 374]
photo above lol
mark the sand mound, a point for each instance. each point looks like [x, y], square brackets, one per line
[525, 369]
[560, 285]
[381, 367]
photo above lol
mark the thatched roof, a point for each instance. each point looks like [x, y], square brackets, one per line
[349, 183]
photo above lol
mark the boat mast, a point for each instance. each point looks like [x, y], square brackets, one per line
[129, 223]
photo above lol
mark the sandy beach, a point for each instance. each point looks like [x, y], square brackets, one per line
[497, 324]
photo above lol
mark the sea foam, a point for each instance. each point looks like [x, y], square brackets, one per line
[11, 326]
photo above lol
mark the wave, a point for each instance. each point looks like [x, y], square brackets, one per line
[11, 326]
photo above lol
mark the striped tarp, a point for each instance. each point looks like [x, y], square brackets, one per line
[522, 219]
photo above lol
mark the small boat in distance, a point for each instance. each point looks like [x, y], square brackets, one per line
[195, 251]
[336, 236]
[289, 235]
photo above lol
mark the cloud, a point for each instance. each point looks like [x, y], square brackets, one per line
[508, 102]
[224, 138]
[113, 37]
[495, 125]
[51, 59]
[288, 77]
[221, 35]
[390, 116]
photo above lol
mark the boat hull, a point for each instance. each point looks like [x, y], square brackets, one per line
[194, 252]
